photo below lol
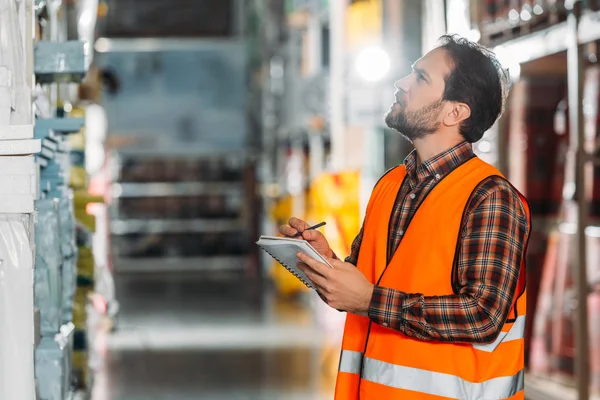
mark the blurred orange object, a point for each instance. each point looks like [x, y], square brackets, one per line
[335, 198]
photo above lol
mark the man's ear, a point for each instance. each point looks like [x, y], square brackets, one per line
[458, 113]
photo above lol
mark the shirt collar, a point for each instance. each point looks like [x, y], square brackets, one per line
[440, 165]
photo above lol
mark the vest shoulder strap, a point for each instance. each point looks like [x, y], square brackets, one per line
[398, 169]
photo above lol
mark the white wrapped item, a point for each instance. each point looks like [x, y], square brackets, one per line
[53, 364]
[17, 203]
[15, 132]
[48, 261]
[16, 308]
[20, 147]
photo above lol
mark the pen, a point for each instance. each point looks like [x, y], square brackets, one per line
[310, 228]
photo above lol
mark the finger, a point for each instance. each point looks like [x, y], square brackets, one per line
[287, 230]
[317, 279]
[298, 224]
[311, 235]
[307, 269]
[315, 265]
[335, 263]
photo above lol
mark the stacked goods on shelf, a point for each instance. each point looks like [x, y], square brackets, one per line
[85, 266]
[536, 166]
[56, 63]
[19, 331]
[190, 209]
[181, 194]
[553, 346]
[55, 258]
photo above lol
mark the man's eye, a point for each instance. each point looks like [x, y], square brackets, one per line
[420, 77]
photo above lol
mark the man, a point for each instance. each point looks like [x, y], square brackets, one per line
[434, 286]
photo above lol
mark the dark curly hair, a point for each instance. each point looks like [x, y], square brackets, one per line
[478, 80]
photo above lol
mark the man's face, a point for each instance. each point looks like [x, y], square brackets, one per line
[418, 107]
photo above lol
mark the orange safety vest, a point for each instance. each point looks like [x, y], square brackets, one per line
[379, 363]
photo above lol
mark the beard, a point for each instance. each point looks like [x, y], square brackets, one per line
[414, 124]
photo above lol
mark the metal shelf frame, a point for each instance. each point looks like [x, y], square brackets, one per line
[129, 226]
[571, 35]
[168, 189]
[224, 264]
[554, 39]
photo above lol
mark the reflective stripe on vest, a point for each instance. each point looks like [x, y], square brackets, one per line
[350, 362]
[429, 382]
[517, 331]
[440, 384]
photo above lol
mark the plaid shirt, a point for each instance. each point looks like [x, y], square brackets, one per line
[490, 254]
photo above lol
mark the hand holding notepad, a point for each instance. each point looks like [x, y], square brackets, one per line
[284, 250]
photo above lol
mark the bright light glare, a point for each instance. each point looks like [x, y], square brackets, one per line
[372, 64]
[484, 146]
[513, 15]
[474, 35]
[515, 72]
[102, 45]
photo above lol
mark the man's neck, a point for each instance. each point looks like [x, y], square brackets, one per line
[434, 144]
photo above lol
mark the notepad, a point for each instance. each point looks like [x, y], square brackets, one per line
[284, 250]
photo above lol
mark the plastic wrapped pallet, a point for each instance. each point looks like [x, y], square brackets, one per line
[48, 260]
[53, 358]
[69, 253]
[16, 308]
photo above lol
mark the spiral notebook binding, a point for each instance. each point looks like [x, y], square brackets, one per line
[308, 284]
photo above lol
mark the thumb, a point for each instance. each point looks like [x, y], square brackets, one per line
[310, 235]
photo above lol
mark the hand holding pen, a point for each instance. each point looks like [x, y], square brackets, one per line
[298, 228]
[320, 224]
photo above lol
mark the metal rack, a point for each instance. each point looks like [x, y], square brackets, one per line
[182, 192]
[554, 39]
[178, 224]
[580, 28]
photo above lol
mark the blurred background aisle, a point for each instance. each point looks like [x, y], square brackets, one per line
[185, 337]
[146, 145]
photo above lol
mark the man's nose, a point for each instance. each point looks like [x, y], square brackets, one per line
[403, 84]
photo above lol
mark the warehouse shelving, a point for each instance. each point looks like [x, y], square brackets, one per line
[158, 189]
[551, 40]
[150, 218]
[581, 27]
[120, 227]
[181, 175]
[215, 264]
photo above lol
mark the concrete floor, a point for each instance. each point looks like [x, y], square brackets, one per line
[182, 337]
[187, 337]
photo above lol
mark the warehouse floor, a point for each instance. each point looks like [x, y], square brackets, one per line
[188, 337]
